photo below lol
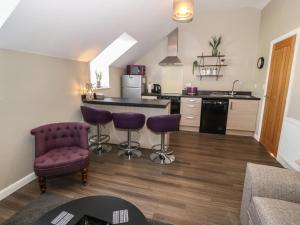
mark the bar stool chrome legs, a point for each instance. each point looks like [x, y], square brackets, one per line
[98, 118]
[163, 124]
[129, 148]
[161, 153]
[99, 142]
[131, 122]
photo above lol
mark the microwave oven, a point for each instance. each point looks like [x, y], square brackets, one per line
[136, 70]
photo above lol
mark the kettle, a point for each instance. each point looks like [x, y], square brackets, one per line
[156, 89]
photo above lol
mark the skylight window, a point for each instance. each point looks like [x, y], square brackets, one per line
[6, 9]
[99, 67]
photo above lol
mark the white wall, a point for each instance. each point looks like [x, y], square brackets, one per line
[289, 144]
[34, 90]
[240, 30]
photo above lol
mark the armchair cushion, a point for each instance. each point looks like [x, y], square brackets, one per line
[267, 211]
[61, 160]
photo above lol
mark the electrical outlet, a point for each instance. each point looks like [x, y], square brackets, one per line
[298, 161]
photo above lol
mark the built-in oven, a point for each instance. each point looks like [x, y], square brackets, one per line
[175, 103]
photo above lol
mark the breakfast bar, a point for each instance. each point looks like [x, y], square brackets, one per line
[149, 108]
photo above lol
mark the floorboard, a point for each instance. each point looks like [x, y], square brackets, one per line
[203, 187]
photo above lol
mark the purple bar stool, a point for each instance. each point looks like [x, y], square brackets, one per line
[130, 122]
[163, 124]
[97, 118]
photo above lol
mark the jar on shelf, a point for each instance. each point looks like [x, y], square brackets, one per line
[215, 71]
[203, 71]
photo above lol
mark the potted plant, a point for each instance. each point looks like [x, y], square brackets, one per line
[98, 78]
[215, 43]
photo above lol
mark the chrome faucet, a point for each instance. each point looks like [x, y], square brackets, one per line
[233, 86]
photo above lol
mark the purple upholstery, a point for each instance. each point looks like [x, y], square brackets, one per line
[165, 123]
[129, 121]
[95, 116]
[60, 148]
[61, 161]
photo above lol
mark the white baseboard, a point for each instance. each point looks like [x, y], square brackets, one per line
[256, 137]
[17, 185]
[284, 162]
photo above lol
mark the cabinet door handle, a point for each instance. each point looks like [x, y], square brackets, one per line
[191, 106]
[190, 117]
[192, 100]
[231, 105]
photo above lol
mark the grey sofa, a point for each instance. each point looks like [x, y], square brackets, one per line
[271, 196]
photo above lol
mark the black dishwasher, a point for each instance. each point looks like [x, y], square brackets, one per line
[214, 116]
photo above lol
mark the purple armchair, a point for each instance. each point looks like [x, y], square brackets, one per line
[60, 148]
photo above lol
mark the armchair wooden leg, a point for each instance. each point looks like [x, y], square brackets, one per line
[42, 182]
[84, 173]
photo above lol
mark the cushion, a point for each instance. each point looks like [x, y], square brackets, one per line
[267, 211]
[61, 160]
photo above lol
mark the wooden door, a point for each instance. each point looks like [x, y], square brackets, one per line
[278, 83]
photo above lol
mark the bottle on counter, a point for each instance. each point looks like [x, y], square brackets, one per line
[149, 88]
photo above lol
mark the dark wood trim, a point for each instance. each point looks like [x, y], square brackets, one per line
[42, 183]
[84, 174]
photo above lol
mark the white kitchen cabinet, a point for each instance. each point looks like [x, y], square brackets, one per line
[242, 116]
[190, 110]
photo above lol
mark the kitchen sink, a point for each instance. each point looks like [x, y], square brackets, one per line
[242, 96]
[230, 96]
[220, 95]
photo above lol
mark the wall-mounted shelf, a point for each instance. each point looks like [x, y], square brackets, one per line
[216, 76]
[212, 65]
[211, 56]
[203, 69]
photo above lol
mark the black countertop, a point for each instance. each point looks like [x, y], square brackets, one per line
[129, 102]
[211, 94]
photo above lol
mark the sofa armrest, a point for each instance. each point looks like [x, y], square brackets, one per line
[269, 182]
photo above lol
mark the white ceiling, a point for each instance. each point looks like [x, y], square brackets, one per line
[80, 29]
[230, 4]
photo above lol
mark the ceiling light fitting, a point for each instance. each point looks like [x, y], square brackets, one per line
[183, 10]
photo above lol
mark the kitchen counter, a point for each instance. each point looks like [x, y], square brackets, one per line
[149, 108]
[130, 102]
[212, 94]
[245, 97]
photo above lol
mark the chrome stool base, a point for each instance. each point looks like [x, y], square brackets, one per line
[129, 149]
[132, 154]
[161, 153]
[101, 148]
[162, 158]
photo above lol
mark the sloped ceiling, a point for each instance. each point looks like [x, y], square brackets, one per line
[81, 29]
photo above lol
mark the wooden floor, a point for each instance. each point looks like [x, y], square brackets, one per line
[204, 185]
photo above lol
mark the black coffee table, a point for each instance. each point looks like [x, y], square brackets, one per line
[100, 207]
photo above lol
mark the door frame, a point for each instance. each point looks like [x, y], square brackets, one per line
[291, 81]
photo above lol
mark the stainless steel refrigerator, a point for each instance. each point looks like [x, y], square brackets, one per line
[133, 86]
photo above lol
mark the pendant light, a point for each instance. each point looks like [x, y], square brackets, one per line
[183, 10]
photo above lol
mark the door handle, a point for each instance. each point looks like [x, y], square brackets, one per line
[231, 105]
[190, 117]
[192, 100]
